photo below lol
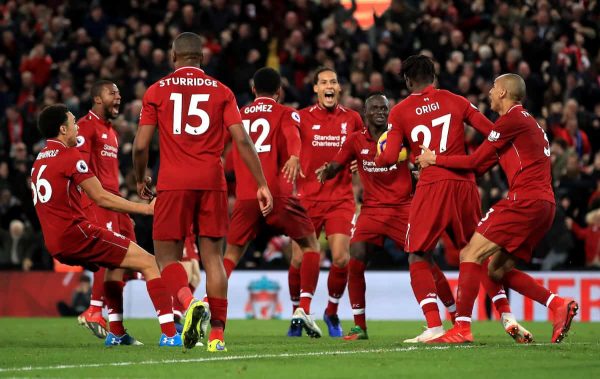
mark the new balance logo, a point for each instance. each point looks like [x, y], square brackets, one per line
[104, 135]
[316, 127]
[494, 136]
[364, 151]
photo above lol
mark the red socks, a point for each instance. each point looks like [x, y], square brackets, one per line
[97, 298]
[309, 276]
[528, 287]
[218, 310]
[113, 293]
[176, 280]
[294, 286]
[469, 279]
[336, 283]
[356, 290]
[163, 305]
[494, 290]
[443, 289]
[229, 266]
[423, 285]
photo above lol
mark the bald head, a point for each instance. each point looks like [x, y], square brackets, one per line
[187, 47]
[514, 86]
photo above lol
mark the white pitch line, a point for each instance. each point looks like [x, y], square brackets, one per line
[232, 358]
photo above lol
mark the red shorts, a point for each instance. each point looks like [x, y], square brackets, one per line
[96, 245]
[335, 216]
[448, 205]
[175, 211]
[288, 217]
[518, 225]
[374, 224]
[113, 221]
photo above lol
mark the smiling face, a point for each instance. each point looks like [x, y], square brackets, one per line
[377, 109]
[110, 100]
[327, 89]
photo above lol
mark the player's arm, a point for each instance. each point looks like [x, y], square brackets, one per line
[393, 146]
[478, 121]
[330, 169]
[480, 157]
[141, 148]
[291, 134]
[105, 199]
[250, 158]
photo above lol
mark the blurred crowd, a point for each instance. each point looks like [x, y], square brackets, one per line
[52, 51]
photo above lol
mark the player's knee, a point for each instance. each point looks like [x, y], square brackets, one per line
[496, 275]
[341, 261]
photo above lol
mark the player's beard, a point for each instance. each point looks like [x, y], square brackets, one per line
[108, 112]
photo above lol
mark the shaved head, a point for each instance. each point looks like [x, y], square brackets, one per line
[187, 46]
[514, 86]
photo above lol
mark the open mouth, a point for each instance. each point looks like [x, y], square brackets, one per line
[329, 95]
[115, 107]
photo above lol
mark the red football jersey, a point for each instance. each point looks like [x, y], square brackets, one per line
[524, 153]
[274, 130]
[56, 173]
[192, 111]
[98, 144]
[322, 133]
[383, 186]
[433, 118]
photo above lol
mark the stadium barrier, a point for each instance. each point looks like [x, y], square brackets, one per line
[264, 294]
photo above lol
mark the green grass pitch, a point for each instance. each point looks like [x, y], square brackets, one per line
[59, 348]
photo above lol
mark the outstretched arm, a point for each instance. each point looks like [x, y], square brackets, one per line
[480, 158]
[328, 171]
[105, 199]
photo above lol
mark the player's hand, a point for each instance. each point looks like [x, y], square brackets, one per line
[151, 207]
[569, 222]
[320, 172]
[354, 166]
[427, 157]
[291, 169]
[265, 200]
[143, 189]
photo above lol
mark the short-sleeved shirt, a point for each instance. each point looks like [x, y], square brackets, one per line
[434, 118]
[98, 144]
[524, 152]
[192, 111]
[383, 186]
[55, 176]
[323, 132]
[270, 126]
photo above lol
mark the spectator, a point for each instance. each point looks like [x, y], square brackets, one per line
[14, 247]
[80, 300]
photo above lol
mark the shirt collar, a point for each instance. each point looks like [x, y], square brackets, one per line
[426, 91]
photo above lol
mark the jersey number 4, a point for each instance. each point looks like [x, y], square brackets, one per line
[193, 110]
[444, 121]
[41, 188]
[265, 129]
